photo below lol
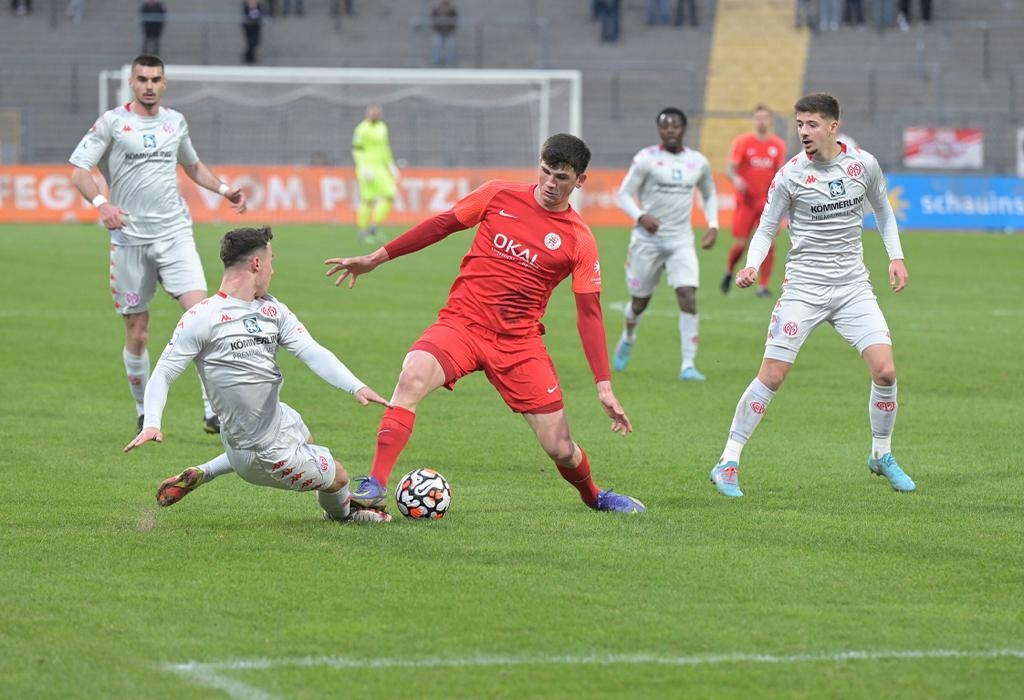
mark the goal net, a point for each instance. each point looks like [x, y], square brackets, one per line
[298, 116]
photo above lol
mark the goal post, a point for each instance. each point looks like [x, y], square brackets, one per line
[436, 117]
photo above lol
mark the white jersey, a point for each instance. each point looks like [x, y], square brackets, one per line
[234, 345]
[661, 183]
[825, 206]
[139, 156]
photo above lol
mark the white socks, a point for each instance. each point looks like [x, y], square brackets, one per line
[749, 411]
[689, 327]
[631, 322]
[215, 467]
[137, 369]
[337, 504]
[882, 414]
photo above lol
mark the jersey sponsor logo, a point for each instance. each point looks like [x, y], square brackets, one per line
[253, 341]
[269, 310]
[502, 212]
[842, 204]
[854, 169]
[552, 241]
[810, 180]
[252, 325]
[148, 141]
[836, 188]
[508, 247]
[762, 162]
[677, 174]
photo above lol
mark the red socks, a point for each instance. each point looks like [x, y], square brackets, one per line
[580, 478]
[392, 436]
[735, 253]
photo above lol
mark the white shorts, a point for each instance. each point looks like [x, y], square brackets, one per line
[648, 255]
[135, 270]
[851, 309]
[289, 462]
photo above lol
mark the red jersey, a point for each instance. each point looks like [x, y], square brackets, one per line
[757, 161]
[520, 253]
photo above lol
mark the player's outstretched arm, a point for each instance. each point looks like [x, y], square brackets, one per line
[146, 435]
[351, 268]
[611, 406]
[366, 395]
[708, 242]
[898, 275]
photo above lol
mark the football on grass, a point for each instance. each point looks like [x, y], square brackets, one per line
[423, 494]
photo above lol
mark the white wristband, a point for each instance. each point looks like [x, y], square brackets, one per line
[98, 201]
[224, 189]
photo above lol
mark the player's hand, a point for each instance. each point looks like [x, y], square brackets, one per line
[708, 242]
[112, 217]
[366, 395]
[740, 185]
[650, 223]
[146, 435]
[239, 202]
[353, 267]
[898, 275]
[611, 406]
[746, 277]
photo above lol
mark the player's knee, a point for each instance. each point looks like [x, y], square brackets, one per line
[687, 298]
[884, 375]
[639, 304]
[341, 478]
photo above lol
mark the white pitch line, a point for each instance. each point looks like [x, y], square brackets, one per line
[212, 675]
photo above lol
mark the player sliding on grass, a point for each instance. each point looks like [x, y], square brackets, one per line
[529, 239]
[233, 338]
[823, 192]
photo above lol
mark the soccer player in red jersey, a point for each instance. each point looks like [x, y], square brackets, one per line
[528, 240]
[753, 161]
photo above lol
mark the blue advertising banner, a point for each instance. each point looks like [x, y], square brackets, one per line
[956, 202]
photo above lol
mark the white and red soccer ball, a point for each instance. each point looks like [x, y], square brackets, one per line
[423, 494]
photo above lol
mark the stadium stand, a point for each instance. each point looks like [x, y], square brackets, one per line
[964, 69]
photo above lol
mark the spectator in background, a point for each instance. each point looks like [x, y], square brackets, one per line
[903, 18]
[74, 11]
[804, 14]
[444, 20]
[853, 13]
[286, 7]
[684, 7]
[252, 24]
[609, 12]
[657, 12]
[21, 7]
[828, 15]
[153, 14]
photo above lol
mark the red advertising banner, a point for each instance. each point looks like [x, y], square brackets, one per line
[284, 194]
[942, 147]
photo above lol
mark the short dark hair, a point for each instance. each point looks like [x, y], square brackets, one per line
[148, 60]
[762, 108]
[819, 103]
[239, 244]
[563, 150]
[671, 112]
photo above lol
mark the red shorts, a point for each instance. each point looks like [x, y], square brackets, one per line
[520, 368]
[746, 218]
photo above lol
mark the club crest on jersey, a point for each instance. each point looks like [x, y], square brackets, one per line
[854, 169]
[553, 241]
[168, 128]
[836, 188]
[252, 325]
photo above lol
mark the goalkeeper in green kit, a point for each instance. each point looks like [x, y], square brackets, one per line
[376, 173]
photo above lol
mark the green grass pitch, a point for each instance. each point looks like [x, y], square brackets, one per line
[820, 582]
